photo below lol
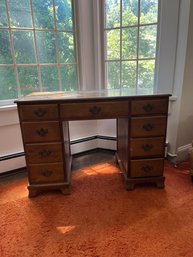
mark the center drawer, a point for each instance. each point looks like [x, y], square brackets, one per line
[94, 110]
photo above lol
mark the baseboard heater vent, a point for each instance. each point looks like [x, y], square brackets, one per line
[92, 138]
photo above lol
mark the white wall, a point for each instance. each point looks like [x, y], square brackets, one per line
[10, 139]
[185, 128]
[10, 133]
[181, 64]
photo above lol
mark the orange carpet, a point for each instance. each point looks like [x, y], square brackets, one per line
[100, 218]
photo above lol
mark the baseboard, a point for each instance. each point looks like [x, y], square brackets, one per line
[92, 143]
[11, 156]
[82, 140]
[13, 172]
[93, 151]
[12, 162]
[183, 152]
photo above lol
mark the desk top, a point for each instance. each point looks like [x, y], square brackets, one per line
[66, 96]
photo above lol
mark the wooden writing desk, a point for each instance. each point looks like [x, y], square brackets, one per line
[141, 132]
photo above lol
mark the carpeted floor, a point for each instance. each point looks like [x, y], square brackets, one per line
[100, 218]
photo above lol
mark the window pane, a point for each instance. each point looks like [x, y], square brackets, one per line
[113, 75]
[8, 88]
[63, 14]
[129, 74]
[3, 15]
[24, 46]
[66, 47]
[129, 43]
[19, 12]
[49, 77]
[147, 41]
[129, 12]
[113, 44]
[43, 14]
[149, 11]
[28, 80]
[68, 77]
[5, 52]
[46, 45]
[146, 74]
[112, 13]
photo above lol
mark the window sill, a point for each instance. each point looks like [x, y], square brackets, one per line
[8, 107]
[173, 98]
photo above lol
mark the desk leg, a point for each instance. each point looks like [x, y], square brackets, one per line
[65, 190]
[32, 193]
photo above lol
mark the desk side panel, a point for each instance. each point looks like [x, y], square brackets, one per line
[122, 143]
[66, 150]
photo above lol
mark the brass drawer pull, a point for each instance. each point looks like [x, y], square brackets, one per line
[42, 132]
[40, 112]
[147, 168]
[148, 126]
[95, 110]
[147, 147]
[46, 173]
[45, 153]
[148, 107]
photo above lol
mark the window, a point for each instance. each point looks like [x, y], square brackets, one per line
[37, 47]
[117, 45]
[130, 32]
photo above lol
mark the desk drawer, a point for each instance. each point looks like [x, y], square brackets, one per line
[42, 153]
[147, 168]
[46, 173]
[142, 147]
[38, 112]
[152, 106]
[41, 131]
[148, 126]
[94, 110]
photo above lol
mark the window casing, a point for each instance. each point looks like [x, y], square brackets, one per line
[37, 47]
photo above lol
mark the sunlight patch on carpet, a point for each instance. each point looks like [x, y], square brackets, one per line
[65, 229]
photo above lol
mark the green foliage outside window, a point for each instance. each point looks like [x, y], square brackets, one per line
[53, 31]
[131, 34]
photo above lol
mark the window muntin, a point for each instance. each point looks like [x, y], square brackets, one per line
[37, 47]
[130, 33]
